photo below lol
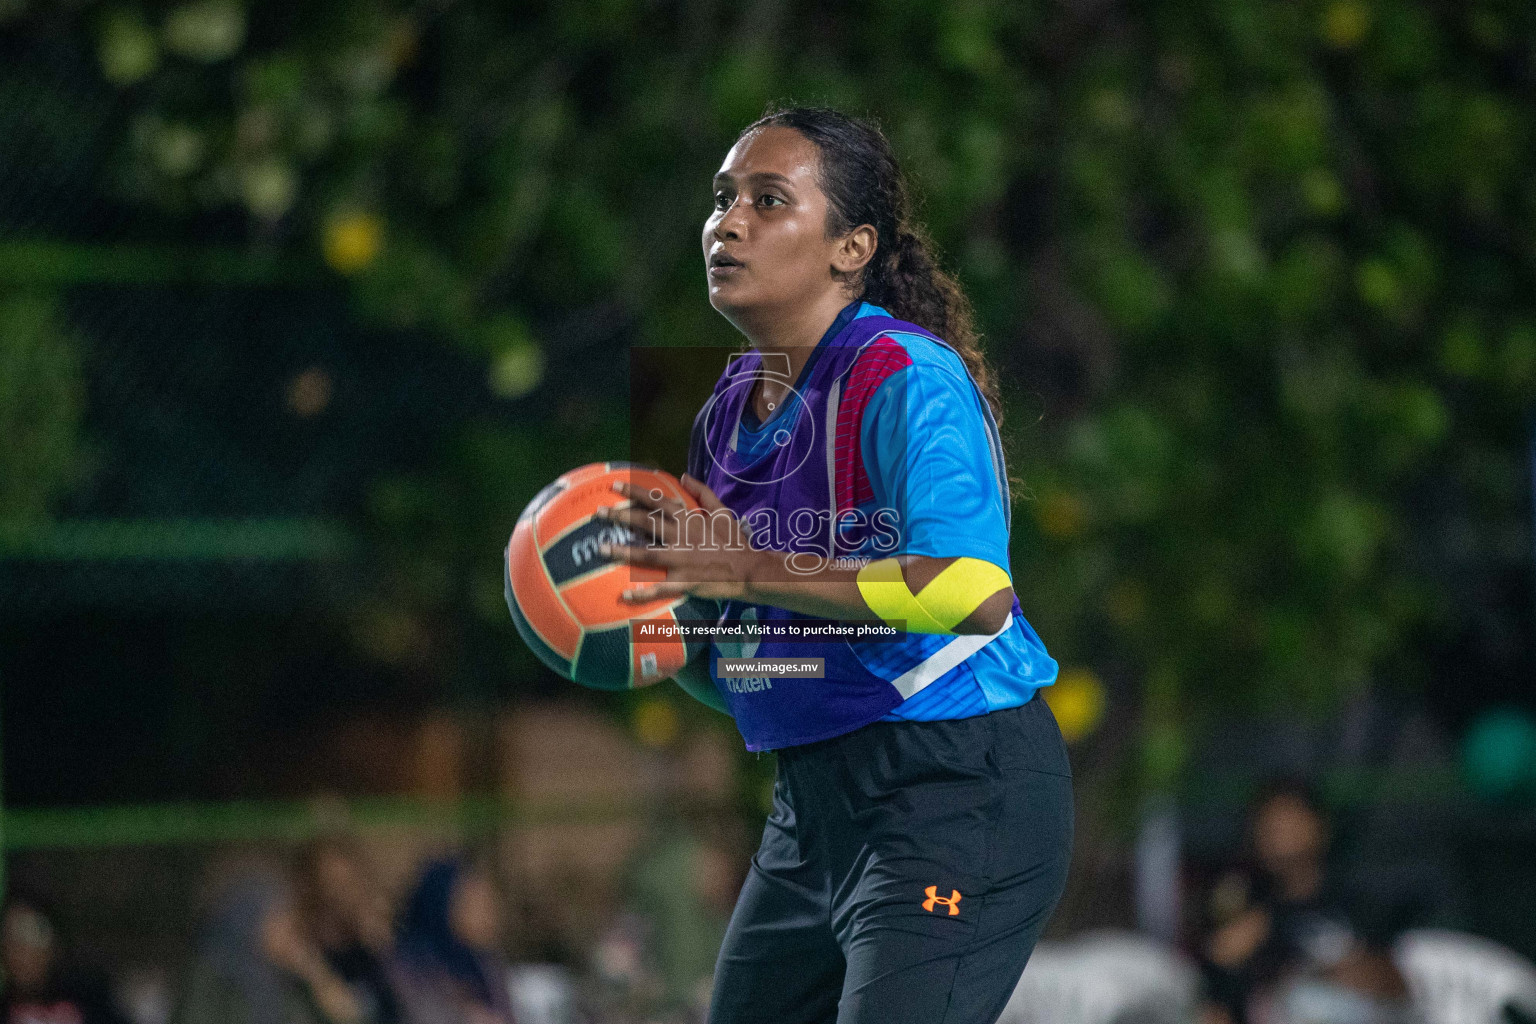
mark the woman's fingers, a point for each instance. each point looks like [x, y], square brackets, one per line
[653, 591]
[636, 554]
[646, 522]
[722, 590]
[700, 490]
[694, 564]
[711, 503]
[648, 497]
[706, 571]
[639, 495]
[650, 512]
[689, 571]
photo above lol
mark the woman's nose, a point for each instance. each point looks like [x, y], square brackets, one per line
[731, 222]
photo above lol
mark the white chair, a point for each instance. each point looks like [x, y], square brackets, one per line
[1456, 978]
[542, 994]
[1107, 977]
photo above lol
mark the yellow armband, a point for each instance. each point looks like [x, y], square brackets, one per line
[947, 600]
[885, 591]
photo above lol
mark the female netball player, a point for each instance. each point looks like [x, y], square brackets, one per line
[851, 468]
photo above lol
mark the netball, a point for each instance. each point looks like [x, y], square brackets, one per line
[564, 595]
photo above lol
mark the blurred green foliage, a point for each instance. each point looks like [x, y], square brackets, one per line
[42, 399]
[1255, 273]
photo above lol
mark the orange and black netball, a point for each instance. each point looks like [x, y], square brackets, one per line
[564, 595]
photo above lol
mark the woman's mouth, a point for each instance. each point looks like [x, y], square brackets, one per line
[722, 266]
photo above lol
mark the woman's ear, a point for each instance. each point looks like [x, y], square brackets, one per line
[855, 250]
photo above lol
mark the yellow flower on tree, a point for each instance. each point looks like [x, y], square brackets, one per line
[1061, 515]
[656, 722]
[353, 241]
[1345, 24]
[1077, 700]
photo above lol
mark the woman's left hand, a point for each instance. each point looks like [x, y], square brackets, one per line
[711, 557]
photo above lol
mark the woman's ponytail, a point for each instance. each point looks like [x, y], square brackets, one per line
[917, 290]
[864, 185]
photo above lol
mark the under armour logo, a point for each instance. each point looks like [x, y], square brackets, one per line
[935, 900]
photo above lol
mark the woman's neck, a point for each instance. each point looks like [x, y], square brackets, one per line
[793, 333]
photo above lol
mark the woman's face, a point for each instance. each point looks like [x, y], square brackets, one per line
[766, 244]
[475, 912]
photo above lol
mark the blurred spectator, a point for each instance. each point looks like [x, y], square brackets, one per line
[37, 989]
[1286, 938]
[256, 965]
[656, 959]
[344, 913]
[684, 886]
[628, 987]
[450, 967]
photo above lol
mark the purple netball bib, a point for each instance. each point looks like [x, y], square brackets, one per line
[782, 486]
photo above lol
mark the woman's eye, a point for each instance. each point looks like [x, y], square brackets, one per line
[722, 200]
[770, 200]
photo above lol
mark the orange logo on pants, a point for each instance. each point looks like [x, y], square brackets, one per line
[934, 900]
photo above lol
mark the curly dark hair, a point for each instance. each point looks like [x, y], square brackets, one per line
[864, 185]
